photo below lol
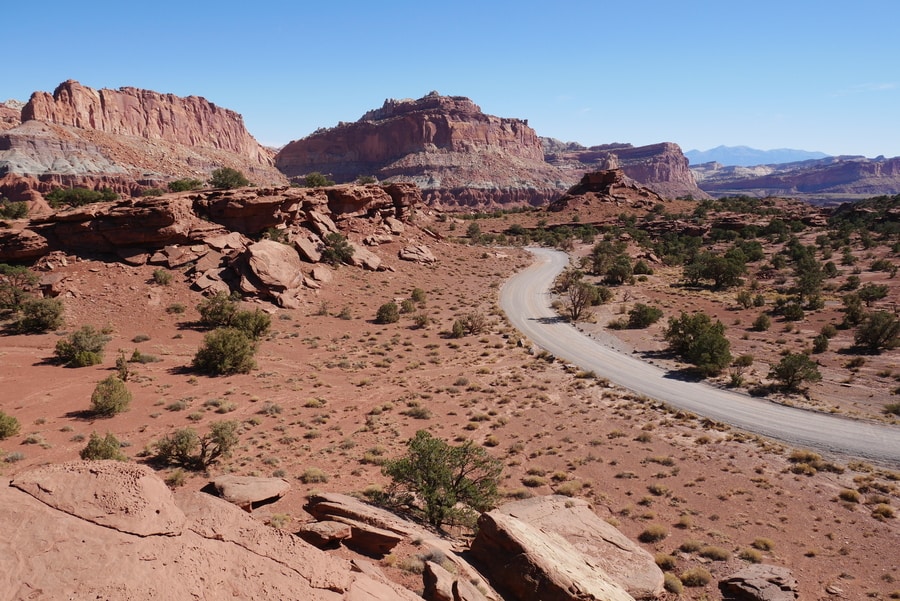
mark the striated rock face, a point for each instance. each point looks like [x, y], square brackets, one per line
[626, 563]
[446, 145]
[66, 525]
[190, 121]
[527, 562]
[127, 140]
[661, 167]
[842, 178]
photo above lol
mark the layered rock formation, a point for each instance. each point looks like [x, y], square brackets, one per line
[834, 179]
[457, 154]
[113, 530]
[661, 167]
[609, 186]
[127, 139]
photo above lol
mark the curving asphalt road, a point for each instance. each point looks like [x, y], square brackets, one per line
[526, 300]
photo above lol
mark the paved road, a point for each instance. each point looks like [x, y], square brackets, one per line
[526, 300]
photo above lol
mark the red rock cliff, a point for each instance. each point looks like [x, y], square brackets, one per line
[190, 121]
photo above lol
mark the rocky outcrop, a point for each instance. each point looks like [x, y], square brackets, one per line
[190, 121]
[662, 167]
[833, 179]
[527, 563]
[248, 492]
[760, 583]
[66, 526]
[127, 140]
[10, 114]
[455, 153]
[625, 562]
[611, 186]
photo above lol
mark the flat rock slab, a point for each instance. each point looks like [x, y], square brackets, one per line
[760, 582]
[247, 491]
[122, 496]
[324, 534]
[628, 564]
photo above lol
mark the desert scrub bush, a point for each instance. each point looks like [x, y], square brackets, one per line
[665, 561]
[763, 544]
[110, 397]
[700, 341]
[40, 315]
[849, 495]
[448, 484]
[176, 308]
[228, 178]
[418, 295]
[163, 277]
[225, 351]
[469, 324]
[184, 185]
[762, 323]
[653, 533]
[76, 197]
[672, 583]
[254, 324]
[690, 546]
[9, 426]
[883, 511]
[105, 447]
[642, 316]
[714, 553]
[313, 475]
[189, 450]
[336, 249]
[388, 313]
[696, 577]
[82, 348]
[570, 488]
[13, 210]
[793, 370]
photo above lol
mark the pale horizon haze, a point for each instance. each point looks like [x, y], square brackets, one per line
[818, 76]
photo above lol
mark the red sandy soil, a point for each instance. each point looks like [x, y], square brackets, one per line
[332, 393]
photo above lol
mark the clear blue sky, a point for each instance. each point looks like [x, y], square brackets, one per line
[816, 75]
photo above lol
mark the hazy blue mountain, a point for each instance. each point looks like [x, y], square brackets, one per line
[746, 156]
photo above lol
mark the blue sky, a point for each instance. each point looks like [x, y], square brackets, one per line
[815, 75]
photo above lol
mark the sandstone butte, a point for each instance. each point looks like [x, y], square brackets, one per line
[460, 156]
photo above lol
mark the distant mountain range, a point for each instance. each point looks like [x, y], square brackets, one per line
[747, 157]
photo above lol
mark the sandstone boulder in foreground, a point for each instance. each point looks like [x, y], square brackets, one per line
[529, 563]
[71, 536]
[626, 563]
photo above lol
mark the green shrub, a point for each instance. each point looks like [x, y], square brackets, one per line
[13, 210]
[255, 324]
[313, 475]
[225, 351]
[642, 316]
[714, 553]
[76, 197]
[187, 449]
[762, 323]
[107, 447]
[388, 313]
[407, 306]
[163, 277]
[316, 180]
[82, 348]
[218, 310]
[820, 344]
[879, 330]
[336, 249]
[794, 369]
[699, 341]
[110, 397]
[184, 185]
[41, 315]
[418, 295]
[15, 282]
[228, 178]
[9, 426]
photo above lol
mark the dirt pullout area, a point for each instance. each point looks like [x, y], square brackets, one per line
[334, 394]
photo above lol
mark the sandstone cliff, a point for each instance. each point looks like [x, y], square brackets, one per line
[190, 121]
[126, 139]
[457, 154]
[841, 178]
[661, 167]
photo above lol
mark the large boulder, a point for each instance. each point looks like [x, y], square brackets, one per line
[270, 268]
[760, 582]
[531, 563]
[249, 491]
[626, 563]
[112, 530]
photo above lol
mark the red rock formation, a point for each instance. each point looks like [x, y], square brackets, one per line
[610, 186]
[10, 114]
[661, 167]
[831, 179]
[190, 121]
[455, 153]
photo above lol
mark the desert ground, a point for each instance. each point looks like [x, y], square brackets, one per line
[334, 394]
